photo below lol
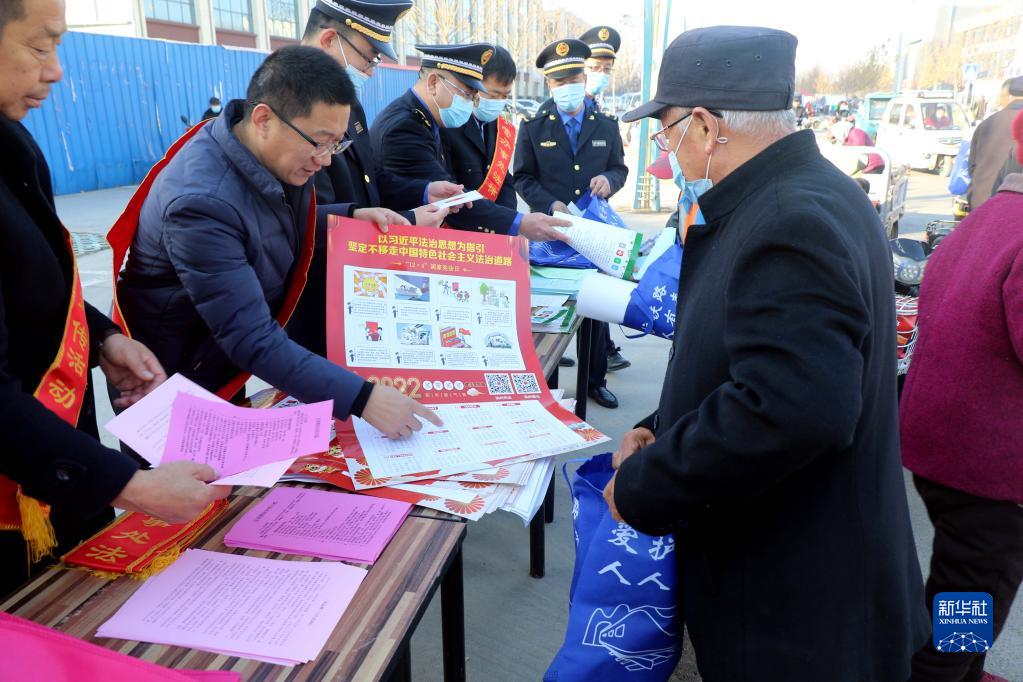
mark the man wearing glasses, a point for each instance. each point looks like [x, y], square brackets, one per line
[566, 149]
[224, 239]
[603, 42]
[406, 135]
[355, 33]
[773, 455]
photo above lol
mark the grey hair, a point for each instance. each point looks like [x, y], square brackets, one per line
[766, 125]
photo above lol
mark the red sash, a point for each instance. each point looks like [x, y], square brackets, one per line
[491, 186]
[62, 391]
[122, 234]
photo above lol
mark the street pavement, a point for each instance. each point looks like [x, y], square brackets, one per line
[514, 623]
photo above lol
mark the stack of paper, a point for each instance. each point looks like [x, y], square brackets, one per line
[548, 280]
[183, 421]
[319, 523]
[553, 319]
[280, 612]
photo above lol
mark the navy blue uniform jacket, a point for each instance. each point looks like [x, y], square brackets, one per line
[407, 142]
[546, 170]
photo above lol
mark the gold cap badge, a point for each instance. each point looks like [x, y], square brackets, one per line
[561, 49]
[603, 34]
[486, 57]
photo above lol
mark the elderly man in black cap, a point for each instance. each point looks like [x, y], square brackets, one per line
[406, 135]
[567, 148]
[774, 453]
[992, 144]
[356, 33]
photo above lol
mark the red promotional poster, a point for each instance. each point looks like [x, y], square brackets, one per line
[444, 317]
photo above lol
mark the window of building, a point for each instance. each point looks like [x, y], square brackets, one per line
[282, 18]
[233, 15]
[180, 11]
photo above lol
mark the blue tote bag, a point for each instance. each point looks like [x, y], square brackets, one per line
[560, 254]
[623, 621]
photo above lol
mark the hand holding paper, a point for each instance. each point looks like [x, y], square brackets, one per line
[235, 439]
[612, 249]
[459, 200]
[540, 227]
[175, 492]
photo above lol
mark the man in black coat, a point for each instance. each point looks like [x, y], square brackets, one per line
[470, 150]
[774, 453]
[52, 460]
[991, 145]
[356, 33]
[554, 167]
[407, 141]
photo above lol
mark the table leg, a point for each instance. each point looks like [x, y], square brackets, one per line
[552, 380]
[537, 544]
[582, 381]
[548, 503]
[452, 610]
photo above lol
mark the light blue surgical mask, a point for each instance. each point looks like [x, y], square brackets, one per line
[569, 97]
[455, 115]
[691, 189]
[358, 79]
[488, 110]
[215, 108]
[596, 83]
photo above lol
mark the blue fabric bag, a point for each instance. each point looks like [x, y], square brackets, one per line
[959, 181]
[623, 622]
[560, 254]
[653, 304]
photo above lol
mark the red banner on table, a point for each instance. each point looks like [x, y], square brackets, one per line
[139, 545]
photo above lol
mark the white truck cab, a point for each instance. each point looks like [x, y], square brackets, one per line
[923, 130]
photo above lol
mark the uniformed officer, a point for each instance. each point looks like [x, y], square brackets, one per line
[356, 33]
[406, 135]
[603, 42]
[565, 149]
[473, 152]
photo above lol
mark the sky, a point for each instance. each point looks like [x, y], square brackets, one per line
[832, 34]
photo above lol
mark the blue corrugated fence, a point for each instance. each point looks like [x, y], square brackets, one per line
[121, 101]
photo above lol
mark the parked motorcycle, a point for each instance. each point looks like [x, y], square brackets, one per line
[909, 259]
[938, 230]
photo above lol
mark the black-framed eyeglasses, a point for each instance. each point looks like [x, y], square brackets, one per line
[320, 149]
[660, 138]
[369, 62]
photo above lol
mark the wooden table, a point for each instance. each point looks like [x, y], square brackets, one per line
[370, 642]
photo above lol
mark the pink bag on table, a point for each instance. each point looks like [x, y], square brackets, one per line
[33, 651]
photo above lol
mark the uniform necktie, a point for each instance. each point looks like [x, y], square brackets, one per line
[573, 133]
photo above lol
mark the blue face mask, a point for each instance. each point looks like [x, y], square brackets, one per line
[569, 97]
[358, 79]
[691, 189]
[455, 115]
[596, 83]
[215, 108]
[488, 110]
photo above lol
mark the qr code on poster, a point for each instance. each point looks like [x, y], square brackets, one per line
[498, 384]
[525, 383]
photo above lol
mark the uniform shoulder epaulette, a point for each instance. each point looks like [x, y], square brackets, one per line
[423, 117]
[540, 115]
